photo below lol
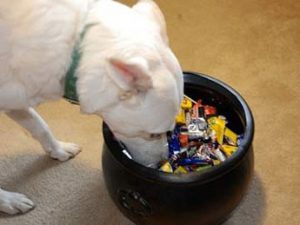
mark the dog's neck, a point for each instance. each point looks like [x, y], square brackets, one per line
[70, 92]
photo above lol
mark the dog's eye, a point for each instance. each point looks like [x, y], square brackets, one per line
[125, 95]
[155, 136]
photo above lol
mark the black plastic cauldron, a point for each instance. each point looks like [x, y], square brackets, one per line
[150, 197]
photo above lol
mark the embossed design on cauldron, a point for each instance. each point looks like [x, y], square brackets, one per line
[134, 203]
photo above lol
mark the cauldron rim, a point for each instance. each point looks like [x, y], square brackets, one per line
[154, 175]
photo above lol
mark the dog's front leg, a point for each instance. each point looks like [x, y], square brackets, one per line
[11, 202]
[31, 121]
[14, 203]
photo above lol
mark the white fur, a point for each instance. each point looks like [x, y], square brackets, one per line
[13, 203]
[127, 74]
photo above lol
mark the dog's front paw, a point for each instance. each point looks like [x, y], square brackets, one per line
[65, 151]
[14, 203]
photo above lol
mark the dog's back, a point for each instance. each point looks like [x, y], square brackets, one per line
[36, 41]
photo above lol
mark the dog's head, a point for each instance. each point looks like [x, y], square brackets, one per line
[133, 80]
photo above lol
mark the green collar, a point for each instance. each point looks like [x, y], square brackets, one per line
[70, 93]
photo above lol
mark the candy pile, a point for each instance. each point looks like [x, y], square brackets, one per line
[200, 139]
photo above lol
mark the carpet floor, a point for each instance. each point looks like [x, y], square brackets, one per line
[254, 46]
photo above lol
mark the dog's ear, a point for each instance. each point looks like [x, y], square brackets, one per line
[151, 10]
[131, 74]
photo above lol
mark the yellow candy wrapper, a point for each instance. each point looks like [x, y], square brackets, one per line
[218, 125]
[180, 118]
[186, 104]
[230, 136]
[216, 162]
[166, 167]
[228, 149]
[180, 169]
[201, 168]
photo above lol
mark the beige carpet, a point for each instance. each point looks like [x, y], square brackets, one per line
[252, 45]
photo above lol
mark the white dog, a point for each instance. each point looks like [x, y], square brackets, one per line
[127, 73]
